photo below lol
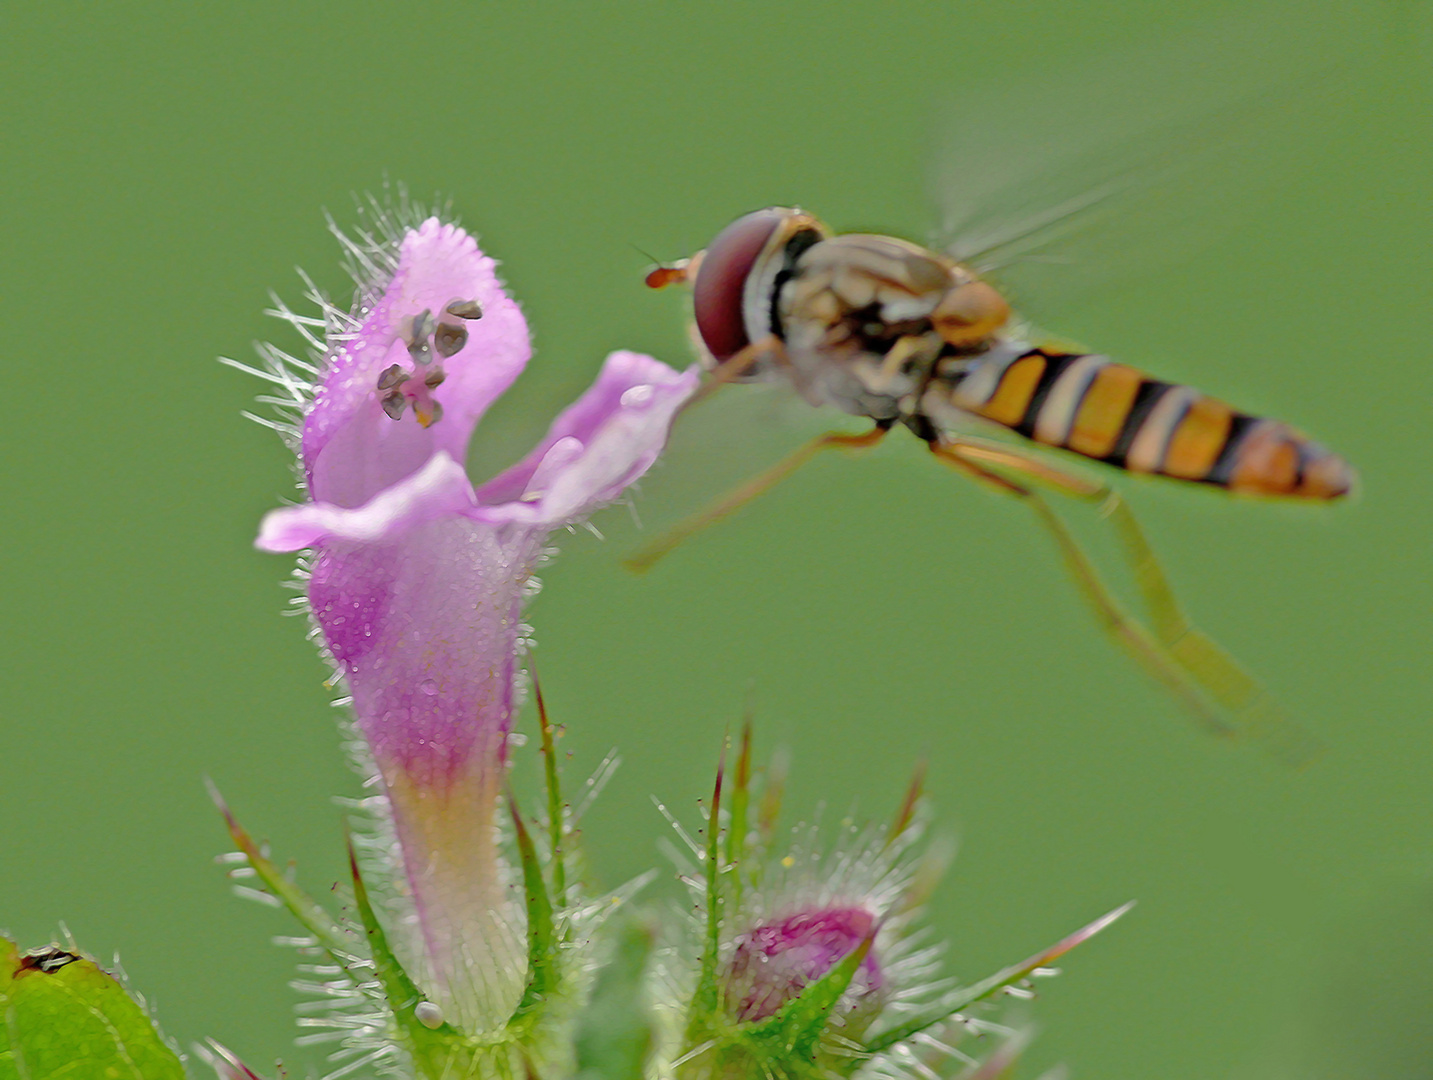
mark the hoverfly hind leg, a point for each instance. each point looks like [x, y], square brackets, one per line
[1200, 672]
[1260, 715]
[1127, 632]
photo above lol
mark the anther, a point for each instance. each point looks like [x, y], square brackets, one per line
[394, 403]
[428, 412]
[418, 331]
[465, 309]
[434, 377]
[392, 376]
[421, 326]
[449, 339]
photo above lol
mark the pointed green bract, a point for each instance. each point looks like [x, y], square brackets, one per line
[62, 1016]
[708, 994]
[556, 821]
[987, 987]
[614, 1034]
[435, 1050]
[542, 969]
[314, 918]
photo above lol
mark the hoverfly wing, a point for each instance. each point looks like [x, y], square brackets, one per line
[1080, 179]
[716, 445]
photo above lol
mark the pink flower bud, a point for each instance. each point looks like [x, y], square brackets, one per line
[774, 962]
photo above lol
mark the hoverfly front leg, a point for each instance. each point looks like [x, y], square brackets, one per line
[1175, 651]
[758, 485]
[768, 350]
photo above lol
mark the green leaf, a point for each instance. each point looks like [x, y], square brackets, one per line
[614, 1033]
[62, 1016]
[987, 987]
[794, 1031]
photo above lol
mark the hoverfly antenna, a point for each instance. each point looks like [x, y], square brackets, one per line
[664, 275]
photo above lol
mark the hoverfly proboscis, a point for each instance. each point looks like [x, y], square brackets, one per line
[882, 328]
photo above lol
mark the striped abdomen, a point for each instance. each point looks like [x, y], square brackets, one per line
[1117, 414]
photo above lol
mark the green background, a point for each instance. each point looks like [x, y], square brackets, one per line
[166, 164]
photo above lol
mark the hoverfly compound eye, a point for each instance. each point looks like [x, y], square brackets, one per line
[733, 296]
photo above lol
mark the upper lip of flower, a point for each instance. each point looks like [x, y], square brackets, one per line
[370, 467]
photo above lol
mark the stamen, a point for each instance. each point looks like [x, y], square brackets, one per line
[465, 309]
[418, 332]
[392, 376]
[394, 403]
[449, 339]
[397, 387]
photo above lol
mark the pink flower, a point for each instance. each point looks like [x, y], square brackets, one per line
[418, 578]
[774, 962]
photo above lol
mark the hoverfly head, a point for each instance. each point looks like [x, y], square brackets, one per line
[735, 280]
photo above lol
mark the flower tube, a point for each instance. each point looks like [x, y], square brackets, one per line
[418, 579]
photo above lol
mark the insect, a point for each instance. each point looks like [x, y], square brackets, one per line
[907, 337]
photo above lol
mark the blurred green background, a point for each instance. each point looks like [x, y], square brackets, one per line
[166, 164]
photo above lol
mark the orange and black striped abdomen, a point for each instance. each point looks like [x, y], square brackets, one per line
[1117, 414]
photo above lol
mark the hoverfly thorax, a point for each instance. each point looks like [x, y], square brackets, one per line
[866, 318]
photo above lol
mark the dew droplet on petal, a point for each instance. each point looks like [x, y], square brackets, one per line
[428, 1014]
[636, 396]
[428, 686]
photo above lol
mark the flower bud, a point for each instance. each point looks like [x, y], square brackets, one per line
[775, 961]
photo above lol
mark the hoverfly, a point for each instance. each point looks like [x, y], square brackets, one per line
[907, 337]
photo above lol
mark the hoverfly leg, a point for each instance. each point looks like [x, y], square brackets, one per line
[734, 367]
[1203, 660]
[1128, 632]
[758, 485]
[1221, 676]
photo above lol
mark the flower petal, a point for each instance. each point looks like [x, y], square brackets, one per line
[351, 448]
[440, 489]
[598, 446]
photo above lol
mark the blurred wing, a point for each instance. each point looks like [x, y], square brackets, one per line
[721, 442]
[1070, 180]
